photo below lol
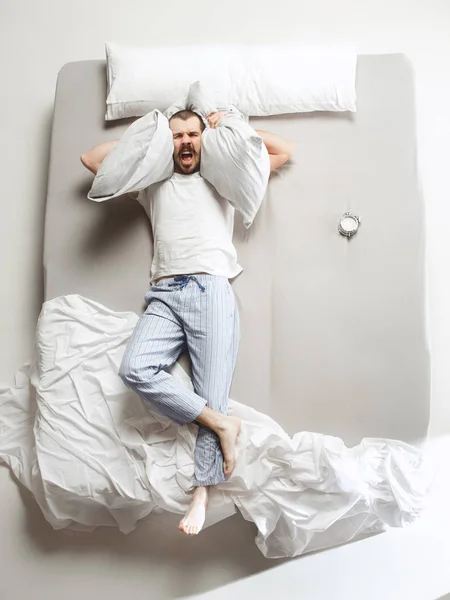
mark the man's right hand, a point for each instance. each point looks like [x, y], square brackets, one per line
[214, 119]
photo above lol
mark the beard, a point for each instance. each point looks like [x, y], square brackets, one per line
[187, 160]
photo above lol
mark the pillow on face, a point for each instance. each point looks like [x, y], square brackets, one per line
[234, 158]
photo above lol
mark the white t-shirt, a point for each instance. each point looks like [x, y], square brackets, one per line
[192, 228]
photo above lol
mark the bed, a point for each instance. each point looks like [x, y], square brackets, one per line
[334, 335]
[332, 381]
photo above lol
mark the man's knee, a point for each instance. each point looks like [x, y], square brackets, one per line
[126, 372]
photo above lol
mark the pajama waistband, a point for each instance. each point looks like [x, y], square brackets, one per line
[200, 276]
[181, 281]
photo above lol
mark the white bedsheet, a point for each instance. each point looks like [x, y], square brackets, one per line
[94, 454]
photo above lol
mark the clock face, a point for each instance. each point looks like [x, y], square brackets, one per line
[348, 224]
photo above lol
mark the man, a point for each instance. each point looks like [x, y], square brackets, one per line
[191, 304]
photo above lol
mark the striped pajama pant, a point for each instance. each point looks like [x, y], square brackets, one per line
[198, 313]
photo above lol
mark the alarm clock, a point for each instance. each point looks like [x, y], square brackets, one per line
[349, 224]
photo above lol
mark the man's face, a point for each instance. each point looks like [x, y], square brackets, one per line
[187, 141]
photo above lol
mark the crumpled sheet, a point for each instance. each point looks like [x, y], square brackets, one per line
[93, 453]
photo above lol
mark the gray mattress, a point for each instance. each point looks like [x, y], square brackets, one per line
[333, 330]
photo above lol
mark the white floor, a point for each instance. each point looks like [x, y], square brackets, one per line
[156, 561]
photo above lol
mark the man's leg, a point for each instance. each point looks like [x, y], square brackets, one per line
[213, 342]
[157, 341]
[213, 356]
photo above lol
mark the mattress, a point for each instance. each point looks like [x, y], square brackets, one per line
[334, 333]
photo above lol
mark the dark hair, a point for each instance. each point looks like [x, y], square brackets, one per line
[184, 115]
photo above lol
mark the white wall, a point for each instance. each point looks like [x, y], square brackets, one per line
[36, 38]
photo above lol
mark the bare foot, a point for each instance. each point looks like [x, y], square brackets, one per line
[193, 520]
[228, 431]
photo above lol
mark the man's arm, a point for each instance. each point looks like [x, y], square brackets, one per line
[279, 149]
[92, 159]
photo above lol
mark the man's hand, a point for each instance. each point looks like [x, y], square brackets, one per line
[214, 119]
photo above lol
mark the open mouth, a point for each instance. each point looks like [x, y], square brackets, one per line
[187, 158]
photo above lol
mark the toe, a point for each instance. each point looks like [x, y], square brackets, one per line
[181, 525]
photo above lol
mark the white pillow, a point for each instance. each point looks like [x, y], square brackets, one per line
[143, 156]
[236, 162]
[259, 80]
